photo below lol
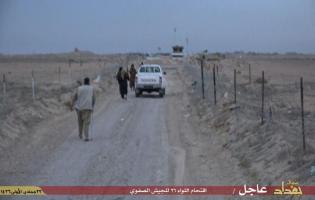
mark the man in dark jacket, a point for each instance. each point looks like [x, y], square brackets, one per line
[122, 78]
[132, 77]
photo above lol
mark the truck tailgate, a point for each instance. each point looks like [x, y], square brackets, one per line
[149, 79]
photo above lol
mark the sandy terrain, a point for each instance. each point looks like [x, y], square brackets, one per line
[177, 140]
[271, 152]
[55, 81]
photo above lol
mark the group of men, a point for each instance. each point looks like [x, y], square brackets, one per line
[83, 100]
[123, 77]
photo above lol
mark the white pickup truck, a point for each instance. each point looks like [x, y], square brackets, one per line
[150, 78]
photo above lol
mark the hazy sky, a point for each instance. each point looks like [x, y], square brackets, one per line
[109, 26]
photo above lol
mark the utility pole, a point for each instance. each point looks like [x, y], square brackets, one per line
[302, 113]
[202, 78]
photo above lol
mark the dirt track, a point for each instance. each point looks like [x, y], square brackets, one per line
[141, 141]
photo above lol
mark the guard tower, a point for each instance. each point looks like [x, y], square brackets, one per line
[178, 51]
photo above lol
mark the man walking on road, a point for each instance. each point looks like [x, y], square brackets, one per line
[84, 101]
[122, 78]
[132, 77]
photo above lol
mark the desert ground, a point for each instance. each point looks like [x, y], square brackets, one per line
[181, 139]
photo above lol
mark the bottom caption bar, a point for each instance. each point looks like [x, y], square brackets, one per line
[244, 190]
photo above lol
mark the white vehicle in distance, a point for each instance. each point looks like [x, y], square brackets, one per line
[150, 78]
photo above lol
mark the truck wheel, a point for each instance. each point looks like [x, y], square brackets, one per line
[162, 93]
[137, 92]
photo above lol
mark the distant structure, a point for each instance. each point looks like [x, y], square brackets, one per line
[178, 51]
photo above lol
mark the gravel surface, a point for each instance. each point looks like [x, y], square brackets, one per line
[139, 141]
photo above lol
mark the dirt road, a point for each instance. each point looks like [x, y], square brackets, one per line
[141, 141]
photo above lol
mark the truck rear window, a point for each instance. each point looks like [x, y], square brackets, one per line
[150, 69]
